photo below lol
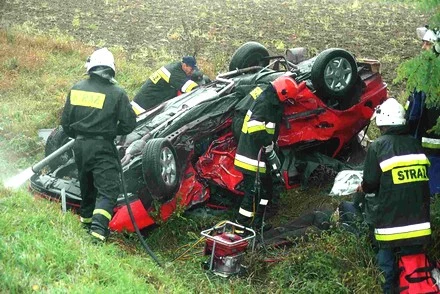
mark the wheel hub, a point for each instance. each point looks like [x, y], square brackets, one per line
[337, 74]
[168, 166]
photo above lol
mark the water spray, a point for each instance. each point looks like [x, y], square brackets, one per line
[18, 180]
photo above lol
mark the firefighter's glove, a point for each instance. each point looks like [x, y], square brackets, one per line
[269, 148]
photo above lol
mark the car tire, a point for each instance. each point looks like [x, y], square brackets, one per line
[55, 140]
[249, 54]
[334, 73]
[160, 169]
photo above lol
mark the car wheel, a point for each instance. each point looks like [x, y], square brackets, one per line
[56, 140]
[249, 54]
[334, 73]
[159, 168]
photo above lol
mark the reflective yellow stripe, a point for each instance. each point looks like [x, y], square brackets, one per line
[256, 92]
[256, 128]
[401, 236]
[250, 161]
[165, 74]
[430, 143]
[188, 86]
[244, 128]
[409, 174]
[136, 108]
[99, 236]
[248, 164]
[270, 128]
[88, 99]
[103, 212]
[403, 160]
[161, 73]
[403, 232]
[245, 212]
[403, 229]
[406, 105]
[85, 220]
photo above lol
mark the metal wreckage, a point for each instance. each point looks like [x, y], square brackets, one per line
[183, 149]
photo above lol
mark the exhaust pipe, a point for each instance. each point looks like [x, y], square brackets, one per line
[40, 165]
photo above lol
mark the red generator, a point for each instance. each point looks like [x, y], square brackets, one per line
[227, 248]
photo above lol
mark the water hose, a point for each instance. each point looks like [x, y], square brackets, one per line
[133, 221]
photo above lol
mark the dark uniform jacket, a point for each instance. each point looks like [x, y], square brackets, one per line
[259, 130]
[422, 120]
[395, 169]
[241, 108]
[96, 107]
[165, 83]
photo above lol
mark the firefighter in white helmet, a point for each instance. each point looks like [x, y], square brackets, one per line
[422, 119]
[396, 180]
[430, 38]
[96, 111]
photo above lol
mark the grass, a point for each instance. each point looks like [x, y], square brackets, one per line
[44, 250]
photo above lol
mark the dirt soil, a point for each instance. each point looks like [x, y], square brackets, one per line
[153, 31]
[213, 29]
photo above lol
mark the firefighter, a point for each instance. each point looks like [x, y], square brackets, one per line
[256, 147]
[395, 176]
[96, 111]
[422, 119]
[430, 39]
[165, 83]
[242, 107]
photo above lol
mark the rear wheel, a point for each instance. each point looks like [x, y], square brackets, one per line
[159, 168]
[249, 54]
[334, 73]
[56, 140]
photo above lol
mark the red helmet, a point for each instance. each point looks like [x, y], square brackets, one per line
[286, 88]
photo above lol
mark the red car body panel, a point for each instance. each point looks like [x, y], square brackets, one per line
[306, 119]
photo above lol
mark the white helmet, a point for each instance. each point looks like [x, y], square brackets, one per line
[426, 34]
[389, 113]
[101, 57]
[430, 36]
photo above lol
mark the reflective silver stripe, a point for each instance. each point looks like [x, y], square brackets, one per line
[270, 128]
[136, 108]
[245, 212]
[188, 86]
[85, 220]
[250, 161]
[403, 160]
[264, 201]
[270, 125]
[165, 74]
[100, 237]
[403, 229]
[431, 143]
[255, 123]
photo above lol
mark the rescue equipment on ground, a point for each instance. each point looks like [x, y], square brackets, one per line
[227, 248]
[417, 275]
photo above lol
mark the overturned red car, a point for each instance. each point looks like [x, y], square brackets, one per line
[184, 148]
